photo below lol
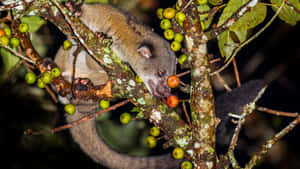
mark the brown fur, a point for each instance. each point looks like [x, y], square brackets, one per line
[127, 35]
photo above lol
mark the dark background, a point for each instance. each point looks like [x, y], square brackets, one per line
[274, 55]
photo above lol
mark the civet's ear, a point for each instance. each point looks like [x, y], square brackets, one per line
[145, 51]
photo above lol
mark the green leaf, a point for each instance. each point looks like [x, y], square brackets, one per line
[34, 22]
[251, 19]
[9, 59]
[231, 7]
[204, 17]
[288, 13]
[228, 41]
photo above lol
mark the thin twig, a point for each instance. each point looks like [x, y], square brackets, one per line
[186, 114]
[187, 5]
[214, 60]
[249, 40]
[247, 110]
[183, 73]
[17, 54]
[69, 21]
[269, 144]
[30, 132]
[53, 96]
[12, 71]
[222, 81]
[276, 112]
[182, 83]
[236, 72]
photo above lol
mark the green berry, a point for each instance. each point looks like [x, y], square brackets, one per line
[179, 37]
[169, 13]
[178, 153]
[154, 131]
[125, 118]
[104, 104]
[151, 142]
[165, 24]
[55, 72]
[14, 42]
[7, 31]
[175, 46]
[30, 78]
[182, 58]
[202, 2]
[70, 109]
[23, 27]
[180, 17]
[67, 45]
[4, 40]
[46, 77]
[186, 165]
[40, 84]
[159, 13]
[169, 34]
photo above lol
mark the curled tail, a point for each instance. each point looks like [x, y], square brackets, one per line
[86, 135]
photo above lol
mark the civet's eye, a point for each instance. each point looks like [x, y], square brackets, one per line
[145, 51]
[161, 72]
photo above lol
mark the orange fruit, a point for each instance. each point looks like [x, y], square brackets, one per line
[2, 33]
[172, 101]
[173, 81]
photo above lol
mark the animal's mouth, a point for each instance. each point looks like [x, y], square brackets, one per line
[160, 89]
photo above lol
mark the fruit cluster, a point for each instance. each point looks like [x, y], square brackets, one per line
[166, 15]
[6, 37]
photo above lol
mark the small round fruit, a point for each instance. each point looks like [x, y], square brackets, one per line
[30, 78]
[2, 33]
[172, 101]
[173, 81]
[104, 104]
[165, 24]
[169, 34]
[178, 153]
[4, 40]
[159, 13]
[70, 109]
[55, 72]
[7, 31]
[186, 165]
[180, 17]
[125, 118]
[169, 13]
[151, 141]
[67, 45]
[23, 27]
[154, 131]
[182, 58]
[178, 37]
[175, 46]
[14, 42]
[40, 84]
[202, 2]
[46, 77]
[138, 79]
